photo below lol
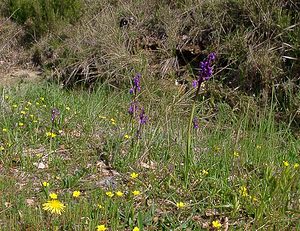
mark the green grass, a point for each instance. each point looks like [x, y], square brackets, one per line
[237, 174]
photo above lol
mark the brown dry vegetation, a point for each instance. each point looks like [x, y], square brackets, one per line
[257, 45]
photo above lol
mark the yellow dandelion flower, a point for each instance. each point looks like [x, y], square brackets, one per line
[50, 134]
[113, 123]
[258, 146]
[101, 228]
[216, 224]
[53, 196]
[180, 205]
[4, 129]
[136, 193]
[286, 163]
[119, 193]
[110, 194]
[236, 154]
[45, 184]
[134, 175]
[296, 166]
[244, 191]
[100, 206]
[21, 124]
[112, 120]
[76, 194]
[126, 136]
[136, 229]
[204, 172]
[54, 207]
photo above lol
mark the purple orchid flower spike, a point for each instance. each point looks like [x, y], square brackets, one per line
[54, 114]
[205, 71]
[196, 123]
[143, 118]
[136, 82]
[133, 108]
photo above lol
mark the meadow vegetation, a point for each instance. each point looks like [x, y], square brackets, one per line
[107, 141]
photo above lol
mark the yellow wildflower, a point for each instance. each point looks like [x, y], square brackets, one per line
[45, 184]
[101, 228]
[286, 163]
[50, 134]
[136, 229]
[296, 166]
[126, 136]
[54, 207]
[204, 172]
[236, 154]
[53, 196]
[42, 98]
[258, 146]
[100, 206]
[180, 205]
[244, 191]
[216, 224]
[110, 194]
[68, 108]
[136, 192]
[21, 124]
[119, 193]
[76, 193]
[134, 175]
[113, 121]
[4, 129]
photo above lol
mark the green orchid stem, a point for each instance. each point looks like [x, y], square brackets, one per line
[188, 157]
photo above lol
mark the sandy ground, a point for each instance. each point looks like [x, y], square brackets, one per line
[19, 76]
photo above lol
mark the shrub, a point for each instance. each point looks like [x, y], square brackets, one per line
[40, 16]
